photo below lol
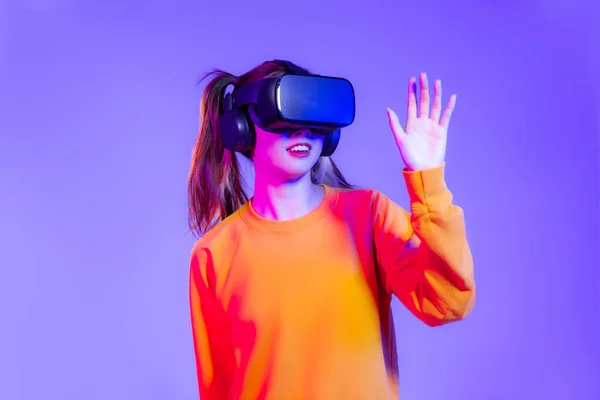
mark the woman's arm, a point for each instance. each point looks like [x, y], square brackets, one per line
[423, 257]
[211, 331]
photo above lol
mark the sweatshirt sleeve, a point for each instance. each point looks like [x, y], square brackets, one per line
[211, 331]
[423, 257]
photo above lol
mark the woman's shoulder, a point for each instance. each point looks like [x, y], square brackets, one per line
[222, 235]
[363, 201]
[356, 196]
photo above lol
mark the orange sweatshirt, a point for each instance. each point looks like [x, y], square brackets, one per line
[300, 309]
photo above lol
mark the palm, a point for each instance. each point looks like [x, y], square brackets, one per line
[423, 144]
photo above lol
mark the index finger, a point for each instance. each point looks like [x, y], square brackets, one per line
[412, 98]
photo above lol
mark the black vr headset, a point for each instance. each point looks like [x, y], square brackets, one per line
[289, 103]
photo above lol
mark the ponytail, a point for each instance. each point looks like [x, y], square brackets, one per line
[215, 188]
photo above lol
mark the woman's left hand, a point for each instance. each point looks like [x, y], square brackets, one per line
[423, 144]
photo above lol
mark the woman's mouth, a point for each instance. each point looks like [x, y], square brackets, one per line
[300, 150]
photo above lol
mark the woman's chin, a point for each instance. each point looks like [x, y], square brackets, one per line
[299, 168]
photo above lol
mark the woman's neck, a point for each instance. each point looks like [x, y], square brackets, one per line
[286, 200]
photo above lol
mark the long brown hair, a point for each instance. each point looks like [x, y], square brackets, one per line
[215, 187]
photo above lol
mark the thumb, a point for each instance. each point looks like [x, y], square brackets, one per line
[395, 125]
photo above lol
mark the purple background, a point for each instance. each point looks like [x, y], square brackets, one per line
[98, 116]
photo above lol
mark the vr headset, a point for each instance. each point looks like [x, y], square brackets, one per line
[290, 103]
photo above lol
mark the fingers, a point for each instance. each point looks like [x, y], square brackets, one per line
[436, 108]
[412, 98]
[448, 112]
[424, 101]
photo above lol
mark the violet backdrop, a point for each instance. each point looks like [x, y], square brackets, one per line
[98, 116]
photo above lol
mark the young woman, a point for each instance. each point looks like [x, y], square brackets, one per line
[290, 290]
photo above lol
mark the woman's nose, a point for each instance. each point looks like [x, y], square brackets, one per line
[302, 132]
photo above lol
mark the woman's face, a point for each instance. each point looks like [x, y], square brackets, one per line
[288, 156]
